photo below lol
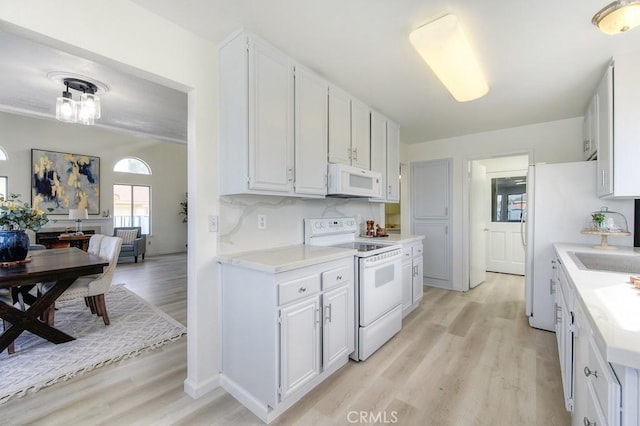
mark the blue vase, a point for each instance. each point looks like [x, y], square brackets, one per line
[14, 246]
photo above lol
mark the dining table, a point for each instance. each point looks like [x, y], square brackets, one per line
[59, 266]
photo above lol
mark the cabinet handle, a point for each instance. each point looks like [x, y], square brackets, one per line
[302, 289]
[327, 313]
[588, 372]
[603, 178]
[290, 174]
[355, 154]
[339, 277]
[588, 422]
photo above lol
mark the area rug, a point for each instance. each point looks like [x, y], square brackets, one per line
[135, 326]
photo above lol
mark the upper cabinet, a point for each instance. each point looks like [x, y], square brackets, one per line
[259, 94]
[349, 130]
[385, 156]
[280, 125]
[619, 129]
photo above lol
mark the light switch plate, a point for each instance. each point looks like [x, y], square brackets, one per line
[262, 221]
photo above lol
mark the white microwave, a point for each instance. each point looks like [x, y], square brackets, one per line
[348, 181]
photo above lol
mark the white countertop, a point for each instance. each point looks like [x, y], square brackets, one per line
[612, 304]
[283, 259]
[398, 238]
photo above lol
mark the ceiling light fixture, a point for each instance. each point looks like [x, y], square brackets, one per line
[618, 17]
[444, 47]
[85, 111]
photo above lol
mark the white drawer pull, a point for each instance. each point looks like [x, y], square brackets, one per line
[339, 277]
[588, 372]
[587, 422]
[302, 289]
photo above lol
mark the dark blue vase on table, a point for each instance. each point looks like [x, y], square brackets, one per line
[14, 246]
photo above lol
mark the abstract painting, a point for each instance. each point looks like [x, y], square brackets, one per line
[64, 181]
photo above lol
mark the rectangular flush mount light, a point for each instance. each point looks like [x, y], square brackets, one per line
[444, 47]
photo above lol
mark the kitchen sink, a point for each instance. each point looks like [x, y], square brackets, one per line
[607, 262]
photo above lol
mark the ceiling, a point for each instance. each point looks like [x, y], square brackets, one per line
[542, 59]
[32, 81]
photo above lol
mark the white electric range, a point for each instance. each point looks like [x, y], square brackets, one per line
[378, 283]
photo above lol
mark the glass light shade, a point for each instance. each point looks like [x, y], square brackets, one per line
[444, 47]
[85, 116]
[91, 103]
[66, 109]
[618, 17]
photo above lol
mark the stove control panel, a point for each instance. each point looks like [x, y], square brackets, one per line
[330, 226]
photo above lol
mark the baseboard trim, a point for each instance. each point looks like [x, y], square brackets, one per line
[195, 391]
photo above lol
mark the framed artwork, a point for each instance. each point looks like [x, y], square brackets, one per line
[63, 181]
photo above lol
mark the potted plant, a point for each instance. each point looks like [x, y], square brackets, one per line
[16, 217]
[598, 219]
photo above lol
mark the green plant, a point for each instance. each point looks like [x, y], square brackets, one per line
[598, 218]
[17, 215]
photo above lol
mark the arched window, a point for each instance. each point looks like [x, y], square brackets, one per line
[132, 165]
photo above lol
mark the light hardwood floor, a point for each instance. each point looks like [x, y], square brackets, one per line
[460, 359]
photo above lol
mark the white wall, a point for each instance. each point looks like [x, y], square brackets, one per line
[552, 142]
[168, 162]
[121, 34]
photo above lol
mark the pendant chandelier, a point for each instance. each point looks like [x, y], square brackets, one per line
[86, 110]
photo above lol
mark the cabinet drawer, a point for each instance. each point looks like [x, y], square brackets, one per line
[417, 250]
[336, 277]
[298, 289]
[605, 384]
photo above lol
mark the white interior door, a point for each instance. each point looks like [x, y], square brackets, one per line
[479, 215]
[505, 252]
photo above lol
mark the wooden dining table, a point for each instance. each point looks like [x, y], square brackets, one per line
[60, 266]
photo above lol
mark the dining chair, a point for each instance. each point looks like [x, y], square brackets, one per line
[91, 287]
[5, 297]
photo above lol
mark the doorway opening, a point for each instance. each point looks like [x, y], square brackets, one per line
[497, 197]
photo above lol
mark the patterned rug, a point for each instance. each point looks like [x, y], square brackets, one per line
[135, 326]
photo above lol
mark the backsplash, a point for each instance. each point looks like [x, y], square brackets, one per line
[284, 219]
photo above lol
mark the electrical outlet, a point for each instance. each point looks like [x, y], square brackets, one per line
[262, 221]
[213, 223]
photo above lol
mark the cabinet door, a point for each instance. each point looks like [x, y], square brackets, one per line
[360, 135]
[379, 149]
[338, 330]
[270, 119]
[339, 126]
[408, 272]
[418, 271]
[311, 132]
[299, 345]
[393, 162]
[604, 128]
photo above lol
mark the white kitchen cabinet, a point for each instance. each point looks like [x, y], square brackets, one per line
[564, 330]
[393, 162]
[360, 135]
[283, 333]
[619, 129]
[412, 273]
[311, 132]
[385, 156]
[259, 98]
[590, 129]
[349, 130]
[299, 345]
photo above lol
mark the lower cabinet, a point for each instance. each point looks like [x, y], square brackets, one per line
[284, 333]
[412, 272]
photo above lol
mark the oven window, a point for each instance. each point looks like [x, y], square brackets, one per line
[384, 275]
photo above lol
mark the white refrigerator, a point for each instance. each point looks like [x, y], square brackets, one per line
[560, 199]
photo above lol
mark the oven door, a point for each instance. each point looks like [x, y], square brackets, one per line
[380, 286]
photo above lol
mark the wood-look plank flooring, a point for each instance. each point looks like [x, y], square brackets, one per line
[460, 359]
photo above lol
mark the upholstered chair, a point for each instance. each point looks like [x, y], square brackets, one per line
[134, 242]
[92, 287]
